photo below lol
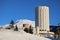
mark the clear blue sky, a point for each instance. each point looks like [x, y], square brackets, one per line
[25, 9]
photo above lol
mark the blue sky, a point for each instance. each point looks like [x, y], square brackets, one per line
[25, 9]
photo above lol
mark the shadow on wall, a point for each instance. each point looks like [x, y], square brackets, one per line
[28, 28]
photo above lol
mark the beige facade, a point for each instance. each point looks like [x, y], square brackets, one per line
[26, 26]
[42, 18]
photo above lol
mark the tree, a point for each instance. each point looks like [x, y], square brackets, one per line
[30, 30]
[16, 28]
[58, 24]
[12, 24]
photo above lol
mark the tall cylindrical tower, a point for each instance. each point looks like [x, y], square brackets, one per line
[42, 18]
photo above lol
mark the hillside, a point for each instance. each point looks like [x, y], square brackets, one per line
[19, 35]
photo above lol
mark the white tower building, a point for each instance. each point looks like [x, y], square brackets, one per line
[42, 18]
